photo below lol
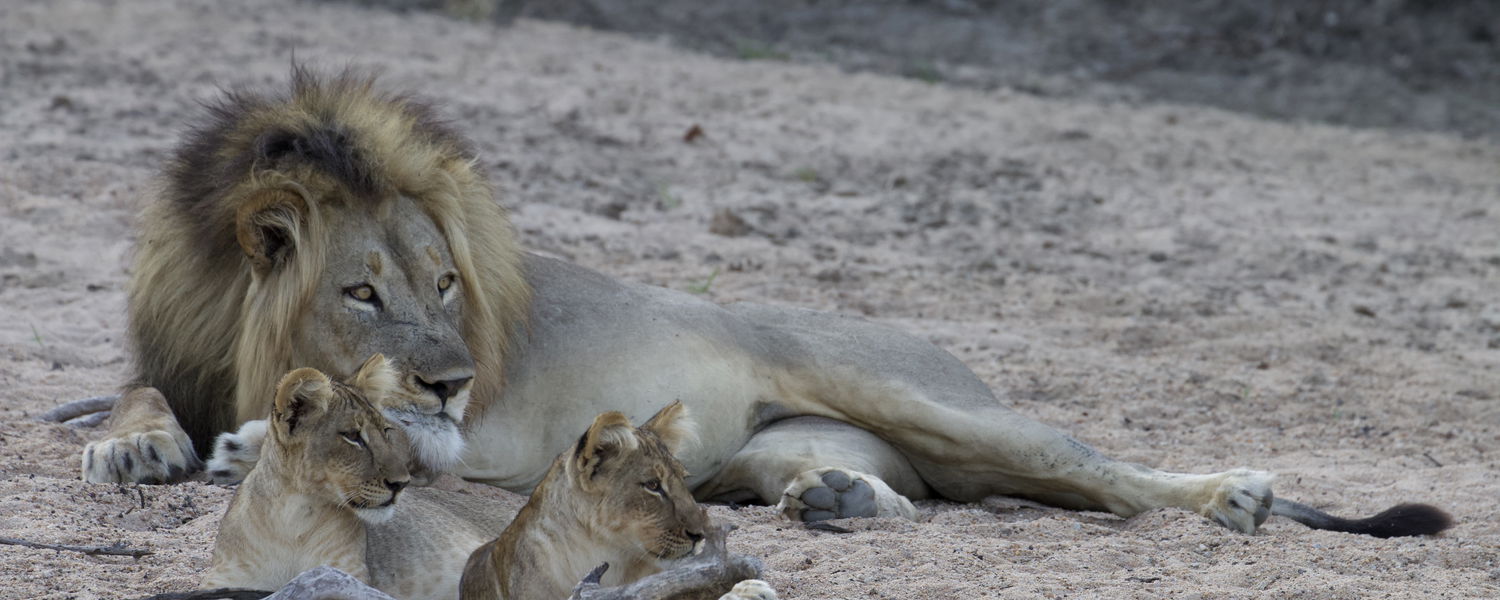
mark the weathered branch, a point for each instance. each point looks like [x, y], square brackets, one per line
[318, 583]
[327, 583]
[77, 408]
[117, 549]
[711, 572]
[214, 594]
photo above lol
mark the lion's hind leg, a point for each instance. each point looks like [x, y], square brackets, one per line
[816, 469]
[145, 444]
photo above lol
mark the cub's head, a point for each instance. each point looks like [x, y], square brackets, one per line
[637, 485]
[331, 441]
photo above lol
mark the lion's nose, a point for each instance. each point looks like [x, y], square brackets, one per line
[694, 536]
[396, 486]
[444, 388]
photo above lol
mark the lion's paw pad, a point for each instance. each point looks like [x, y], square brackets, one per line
[750, 589]
[842, 497]
[1241, 500]
[236, 453]
[823, 494]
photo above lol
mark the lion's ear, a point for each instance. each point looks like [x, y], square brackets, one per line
[375, 379]
[673, 426]
[610, 435]
[300, 393]
[267, 227]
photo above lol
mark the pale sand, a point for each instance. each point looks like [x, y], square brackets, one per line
[1182, 287]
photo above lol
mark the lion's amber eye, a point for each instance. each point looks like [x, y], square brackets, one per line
[445, 282]
[652, 486]
[362, 293]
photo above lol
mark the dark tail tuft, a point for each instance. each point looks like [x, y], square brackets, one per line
[1397, 521]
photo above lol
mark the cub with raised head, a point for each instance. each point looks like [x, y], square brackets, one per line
[330, 460]
[618, 496]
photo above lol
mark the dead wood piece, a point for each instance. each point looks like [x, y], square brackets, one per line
[213, 594]
[709, 573]
[317, 583]
[327, 583]
[78, 408]
[117, 549]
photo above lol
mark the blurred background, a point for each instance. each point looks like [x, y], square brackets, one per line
[1417, 64]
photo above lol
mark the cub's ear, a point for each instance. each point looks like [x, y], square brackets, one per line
[268, 226]
[375, 379]
[673, 426]
[609, 436]
[301, 393]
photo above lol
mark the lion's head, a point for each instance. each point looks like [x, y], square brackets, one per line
[316, 228]
[635, 485]
[329, 439]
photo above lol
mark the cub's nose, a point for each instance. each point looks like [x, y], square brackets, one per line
[694, 536]
[443, 388]
[396, 486]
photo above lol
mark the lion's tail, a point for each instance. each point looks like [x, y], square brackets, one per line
[1397, 521]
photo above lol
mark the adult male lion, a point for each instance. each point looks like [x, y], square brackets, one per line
[317, 228]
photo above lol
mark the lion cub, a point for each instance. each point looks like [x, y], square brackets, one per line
[331, 461]
[616, 496]
[331, 468]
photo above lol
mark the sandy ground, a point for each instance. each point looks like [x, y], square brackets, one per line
[1178, 286]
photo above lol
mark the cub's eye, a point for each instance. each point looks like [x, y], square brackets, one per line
[362, 293]
[652, 486]
[352, 437]
[445, 282]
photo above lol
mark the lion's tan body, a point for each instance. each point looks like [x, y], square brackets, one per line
[238, 277]
[616, 497]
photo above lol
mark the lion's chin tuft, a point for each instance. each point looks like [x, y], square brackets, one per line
[435, 439]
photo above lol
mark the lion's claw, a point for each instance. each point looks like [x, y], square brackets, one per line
[152, 457]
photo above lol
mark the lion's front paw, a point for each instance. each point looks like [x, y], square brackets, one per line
[1239, 499]
[236, 453]
[750, 589]
[833, 493]
[152, 457]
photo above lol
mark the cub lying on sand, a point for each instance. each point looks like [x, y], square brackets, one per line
[332, 467]
[618, 496]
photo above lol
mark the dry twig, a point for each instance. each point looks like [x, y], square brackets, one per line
[214, 594]
[117, 549]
